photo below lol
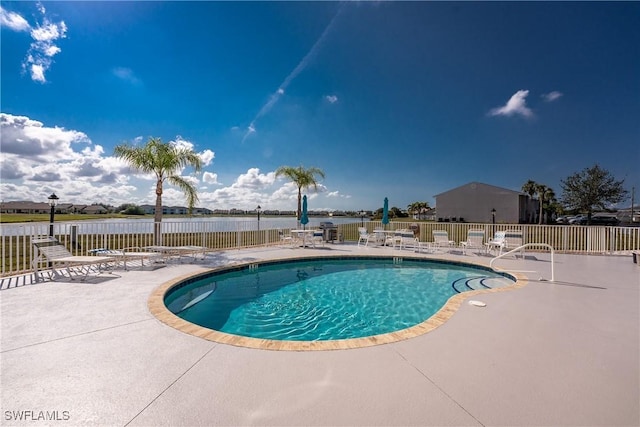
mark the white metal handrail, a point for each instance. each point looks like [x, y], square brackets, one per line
[528, 245]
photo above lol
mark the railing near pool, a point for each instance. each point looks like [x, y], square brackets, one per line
[84, 236]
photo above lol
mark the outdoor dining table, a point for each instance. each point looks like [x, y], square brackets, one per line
[302, 235]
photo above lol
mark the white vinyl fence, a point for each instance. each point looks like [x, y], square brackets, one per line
[84, 236]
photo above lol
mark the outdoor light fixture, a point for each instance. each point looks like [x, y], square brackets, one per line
[258, 211]
[362, 214]
[493, 219]
[53, 199]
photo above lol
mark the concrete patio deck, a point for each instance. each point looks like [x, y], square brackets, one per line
[548, 354]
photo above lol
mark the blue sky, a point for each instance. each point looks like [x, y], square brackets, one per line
[400, 100]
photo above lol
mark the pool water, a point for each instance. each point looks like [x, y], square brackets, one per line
[321, 299]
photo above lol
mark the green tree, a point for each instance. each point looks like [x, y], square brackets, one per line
[395, 212]
[530, 187]
[417, 207]
[302, 178]
[592, 188]
[545, 194]
[165, 161]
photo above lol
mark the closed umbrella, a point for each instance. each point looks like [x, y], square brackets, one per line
[304, 218]
[385, 212]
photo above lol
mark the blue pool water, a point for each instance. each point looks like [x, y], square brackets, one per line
[324, 299]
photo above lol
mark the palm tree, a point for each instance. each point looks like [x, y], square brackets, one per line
[417, 207]
[165, 160]
[303, 178]
[544, 193]
[413, 208]
[530, 187]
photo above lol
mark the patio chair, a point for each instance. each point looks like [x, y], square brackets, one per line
[364, 236]
[506, 240]
[498, 242]
[441, 240]
[50, 250]
[285, 238]
[317, 237]
[475, 240]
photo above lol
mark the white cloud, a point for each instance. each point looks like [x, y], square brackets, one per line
[37, 72]
[49, 32]
[13, 20]
[551, 96]
[332, 194]
[43, 48]
[210, 178]
[515, 106]
[127, 75]
[42, 157]
[207, 157]
[332, 99]
[38, 159]
[253, 179]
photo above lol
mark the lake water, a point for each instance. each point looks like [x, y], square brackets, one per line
[171, 224]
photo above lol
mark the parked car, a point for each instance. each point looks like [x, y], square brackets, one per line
[598, 220]
[576, 219]
[563, 219]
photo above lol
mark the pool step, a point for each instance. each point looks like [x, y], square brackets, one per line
[479, 282]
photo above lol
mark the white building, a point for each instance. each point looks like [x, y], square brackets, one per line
[475, 201]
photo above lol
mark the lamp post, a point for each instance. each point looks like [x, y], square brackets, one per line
[362, 213]
[258, 211]
[493, 221]
[53, 199]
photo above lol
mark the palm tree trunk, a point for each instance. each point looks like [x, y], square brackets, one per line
[541, 209]
[157, 218]
[299, 204]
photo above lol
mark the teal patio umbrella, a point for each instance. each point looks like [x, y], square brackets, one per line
[385, 212]
[304, 218]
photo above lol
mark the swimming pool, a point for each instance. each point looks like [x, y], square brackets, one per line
[325, 299]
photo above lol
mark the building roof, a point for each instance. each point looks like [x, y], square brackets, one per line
[476, 184]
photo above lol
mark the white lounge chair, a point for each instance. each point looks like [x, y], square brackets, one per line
[53, 252]
[441, 240]
[129, 254]
[364, 236]
[475, 240]
[406, 239]
[178, 251]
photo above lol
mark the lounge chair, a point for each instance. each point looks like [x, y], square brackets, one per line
[441, 240]
[405, 238]
[50, 250]
[129, 254]
[177, 251]
[475, 240]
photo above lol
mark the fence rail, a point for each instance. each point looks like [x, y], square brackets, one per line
[84, 236]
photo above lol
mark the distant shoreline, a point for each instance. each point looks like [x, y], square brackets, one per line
[26, 218]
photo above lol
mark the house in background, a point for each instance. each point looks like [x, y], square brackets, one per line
[474, 202]
[24, 207]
